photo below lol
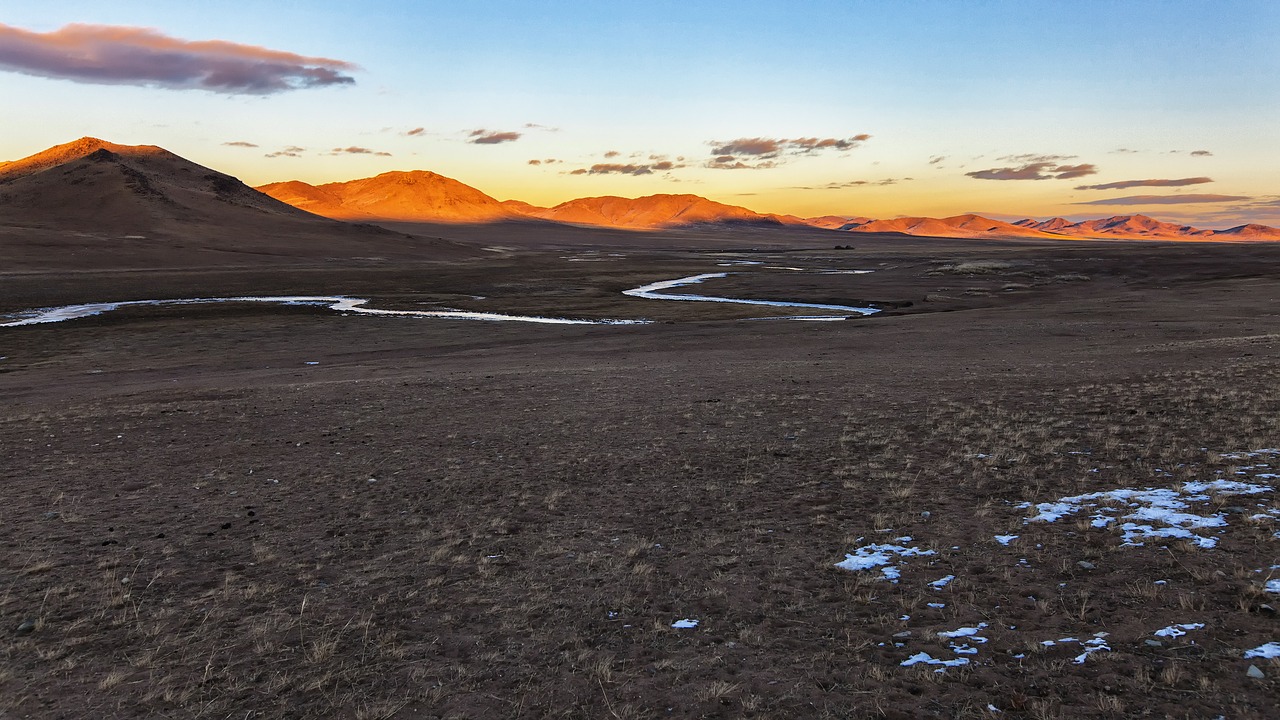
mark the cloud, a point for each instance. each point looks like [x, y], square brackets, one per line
[415, 132]
[934, 160]
[769, 148]
[1039, 170]
[662, 165]
[1201, 153]
[122, 55]
[612, 154]
[853, 184]
[492, 137]
[1027, 158]
[240, 143]
[547, 161]
[290, 151]
[354, 150]
[1123, 184]
[1124, 151]
[1165, 199]
[729, 162]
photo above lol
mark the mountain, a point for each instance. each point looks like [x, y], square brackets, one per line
[99, 205]
[415, 196]
[1251, 231]
[421, 196]
[1133, 226]
[959, 226]
[653, 211]
[836, 222]
[94, 185]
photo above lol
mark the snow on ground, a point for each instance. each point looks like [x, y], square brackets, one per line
[1268, 651]
[927, 659]
[1174, 631]
[1152, 512]
[878, 555]
[685, 623]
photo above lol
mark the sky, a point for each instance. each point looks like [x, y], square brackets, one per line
[1007, 108]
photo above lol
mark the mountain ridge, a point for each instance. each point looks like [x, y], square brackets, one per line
[92, 184]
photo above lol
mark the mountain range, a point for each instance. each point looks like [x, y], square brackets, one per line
[96, 186]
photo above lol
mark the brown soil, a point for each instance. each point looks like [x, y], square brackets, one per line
[463, 519]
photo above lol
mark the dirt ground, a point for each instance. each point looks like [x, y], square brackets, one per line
[288, 512]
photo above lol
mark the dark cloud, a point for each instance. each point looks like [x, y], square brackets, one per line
[240, 143]
[416, 132]
[1201, 153]
[768, 148]
[290, 151]
[492, 137]
[121, 55]
[1039, 170]
[354, 150]
[546, 161]
[1123, 184]
[937, 159]
[612, 154]
[1165, 199]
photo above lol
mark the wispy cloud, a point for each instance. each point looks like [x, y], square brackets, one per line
[415, 132]
[730, 162]
[546, 161]
[934, 160]
[1039, 169]
[1165, 199]
[1123, 184]
[355, 150]
[492, 137]
[536, 126]
[1201, 153]
[289, 151]
[853, 184]
[122, 55]
[768, 148]
[662, 165]
[240, 143]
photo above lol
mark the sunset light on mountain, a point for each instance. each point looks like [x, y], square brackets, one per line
[1005, 109]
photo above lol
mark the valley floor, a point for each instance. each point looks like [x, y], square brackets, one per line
[249, 511]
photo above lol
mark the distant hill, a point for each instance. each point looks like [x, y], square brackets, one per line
[1251, 231]
[653, 211]
[1121, 226]
[426, 197]
[959, 226]
[415, 196]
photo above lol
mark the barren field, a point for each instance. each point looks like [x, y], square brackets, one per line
[1040, 483]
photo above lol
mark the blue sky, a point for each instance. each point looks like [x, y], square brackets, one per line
[633, 98]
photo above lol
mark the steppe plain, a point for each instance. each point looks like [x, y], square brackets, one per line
[283, 511]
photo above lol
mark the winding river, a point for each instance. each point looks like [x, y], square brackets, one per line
[339, 303]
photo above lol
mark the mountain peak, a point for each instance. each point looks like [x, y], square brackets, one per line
[70, 152]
